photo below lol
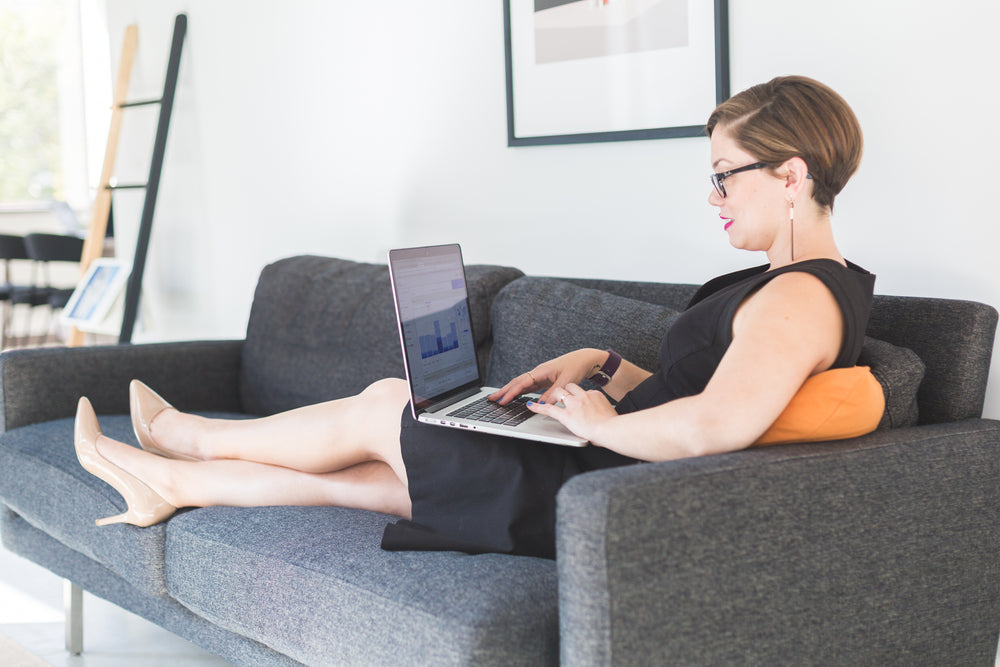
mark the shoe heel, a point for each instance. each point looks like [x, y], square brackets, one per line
[144, 505]
[147, 511]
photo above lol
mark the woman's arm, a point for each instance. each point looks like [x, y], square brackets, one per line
[571, 368]
[787, 331]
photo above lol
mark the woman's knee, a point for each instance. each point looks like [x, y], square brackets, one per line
[383, 402]
[392, 390]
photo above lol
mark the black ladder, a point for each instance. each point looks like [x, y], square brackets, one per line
[152, 184]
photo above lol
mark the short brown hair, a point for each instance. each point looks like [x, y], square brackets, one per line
[795, 116]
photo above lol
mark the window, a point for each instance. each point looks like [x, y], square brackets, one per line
[43, 124]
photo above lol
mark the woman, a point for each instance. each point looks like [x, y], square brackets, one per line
[781, 152]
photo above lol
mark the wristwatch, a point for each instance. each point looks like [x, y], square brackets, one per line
[605, 372]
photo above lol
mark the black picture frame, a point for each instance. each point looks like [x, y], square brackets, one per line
[722, 93]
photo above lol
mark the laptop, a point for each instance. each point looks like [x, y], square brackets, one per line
[439, 353]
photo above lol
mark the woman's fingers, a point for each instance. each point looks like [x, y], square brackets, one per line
[578, 410]
[519, 385]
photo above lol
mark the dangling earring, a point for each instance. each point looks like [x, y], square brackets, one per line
[791, 224]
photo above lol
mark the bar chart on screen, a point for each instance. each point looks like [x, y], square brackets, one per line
[435, 343]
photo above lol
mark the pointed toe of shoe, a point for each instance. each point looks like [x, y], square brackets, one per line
[145, 406]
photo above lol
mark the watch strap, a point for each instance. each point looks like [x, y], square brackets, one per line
[604, 374]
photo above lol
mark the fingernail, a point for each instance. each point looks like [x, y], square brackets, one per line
[530, 403]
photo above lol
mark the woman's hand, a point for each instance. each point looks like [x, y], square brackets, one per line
[572, 367]
[582, 412]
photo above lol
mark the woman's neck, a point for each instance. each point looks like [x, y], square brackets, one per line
[810, 237]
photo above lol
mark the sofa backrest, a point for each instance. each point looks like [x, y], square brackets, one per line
[322, 328]
[953, 339]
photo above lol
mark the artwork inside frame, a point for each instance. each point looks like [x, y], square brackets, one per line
[582, 71]
[97, 299]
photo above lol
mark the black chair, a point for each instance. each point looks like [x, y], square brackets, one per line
[13, 249]
[44, 249]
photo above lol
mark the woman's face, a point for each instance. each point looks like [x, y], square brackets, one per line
[754, 207]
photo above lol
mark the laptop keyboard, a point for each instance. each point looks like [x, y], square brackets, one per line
[485, 410]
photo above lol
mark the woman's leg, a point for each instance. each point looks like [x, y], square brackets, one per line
[343, 453]
[371, 485]
[321, 438]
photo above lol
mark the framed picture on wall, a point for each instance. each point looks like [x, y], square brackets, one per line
[613, 70]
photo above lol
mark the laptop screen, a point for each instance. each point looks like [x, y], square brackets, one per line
[432, 308]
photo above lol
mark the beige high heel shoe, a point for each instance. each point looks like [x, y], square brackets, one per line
[145, 406]
[145, 506]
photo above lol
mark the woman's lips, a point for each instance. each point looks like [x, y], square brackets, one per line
[729, 223]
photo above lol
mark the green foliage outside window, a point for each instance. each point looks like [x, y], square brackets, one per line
[30, 162]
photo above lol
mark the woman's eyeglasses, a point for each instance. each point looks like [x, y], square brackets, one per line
[718, 178]
[721, 176]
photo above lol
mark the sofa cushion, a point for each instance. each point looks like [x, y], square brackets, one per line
[900, 371]
[833, 405]
[839, 404]
[536, 319]
[953, 338]
[42, 481]
[313, 583]
[323, 328]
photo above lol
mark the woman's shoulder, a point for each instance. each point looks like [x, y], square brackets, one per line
[810, 284]
[727, 280]
[837, 276]
[826, 265]
[843, 279]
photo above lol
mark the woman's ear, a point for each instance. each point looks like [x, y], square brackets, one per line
[796, 173]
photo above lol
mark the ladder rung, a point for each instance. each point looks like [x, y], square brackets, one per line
[130, 186]
[139, 103]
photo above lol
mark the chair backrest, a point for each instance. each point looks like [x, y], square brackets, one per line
[54, 247]
[12, 247]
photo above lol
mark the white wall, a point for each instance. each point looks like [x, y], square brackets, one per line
[346, 128]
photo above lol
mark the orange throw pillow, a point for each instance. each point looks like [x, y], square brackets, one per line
[832, 405]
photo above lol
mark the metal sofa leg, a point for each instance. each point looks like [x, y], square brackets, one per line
[73, 602]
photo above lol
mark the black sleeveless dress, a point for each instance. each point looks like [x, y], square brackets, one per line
[481, 493]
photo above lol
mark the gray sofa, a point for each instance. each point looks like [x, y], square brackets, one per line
[883, 549]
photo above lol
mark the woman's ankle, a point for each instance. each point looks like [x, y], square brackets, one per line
[179, 433]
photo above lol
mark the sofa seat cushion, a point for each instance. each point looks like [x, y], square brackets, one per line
[313, 583]
[42, 481]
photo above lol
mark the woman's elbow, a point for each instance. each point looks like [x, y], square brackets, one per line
[683, 431]
[718, 434]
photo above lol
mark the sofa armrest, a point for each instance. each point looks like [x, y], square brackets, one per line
[42, 384]
[881, 549]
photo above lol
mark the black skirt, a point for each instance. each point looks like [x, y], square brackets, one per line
[482, 493]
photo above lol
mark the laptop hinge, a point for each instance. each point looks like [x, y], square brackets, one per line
[452, 400]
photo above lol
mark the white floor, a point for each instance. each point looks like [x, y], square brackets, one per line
[31, 604]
